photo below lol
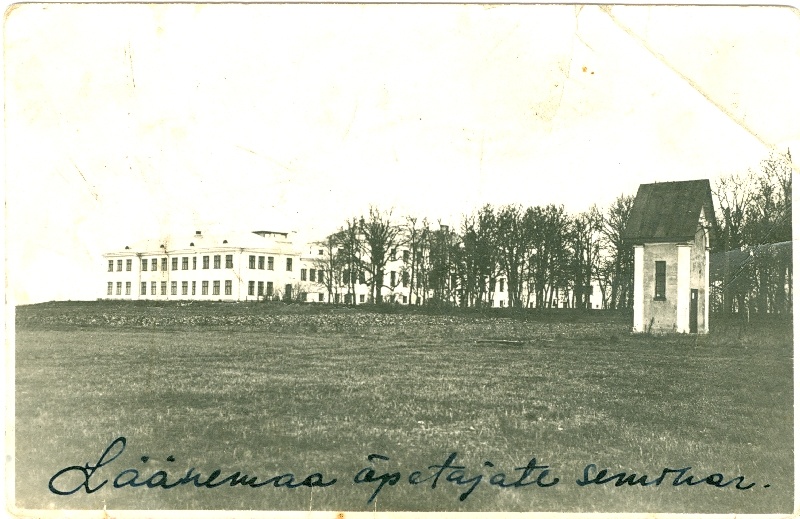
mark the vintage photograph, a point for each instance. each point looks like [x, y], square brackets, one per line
[400, 258]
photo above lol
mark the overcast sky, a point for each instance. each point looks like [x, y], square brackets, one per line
[126, 122]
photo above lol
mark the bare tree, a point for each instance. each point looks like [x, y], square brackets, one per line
[482, 246]
[380, 236]
[350, 245]
[328, 264]
[619, 255]
[419, 255]
[413, 239]
[547, 271]
[734, 194]
[585, 246]
[469, 266]
[515, 230]
[442, 246]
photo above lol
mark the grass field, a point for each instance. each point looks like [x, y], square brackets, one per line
[271, 389]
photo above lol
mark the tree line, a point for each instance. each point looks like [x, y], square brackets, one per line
[535, 254]
[540, 253]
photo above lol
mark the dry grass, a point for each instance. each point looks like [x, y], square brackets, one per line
[268, 389]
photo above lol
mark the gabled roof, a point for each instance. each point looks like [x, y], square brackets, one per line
[669, 211]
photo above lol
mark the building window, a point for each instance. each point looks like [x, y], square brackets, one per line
[204, 288]
[111, 265]
[153, 288]
[154, 264]
[217, 261]
[260, 288]
[502, 303]
[405, 279]
[288, 264]
[194, 263]
[661, 280]
[312, 275]
[173, 286]
[194, 287]
[119, 265]
[164, 264]
[270, 263]
[128, 265]
[251, 286]
[502, 286]
[320, 252]
[252, 263]
[321, 297]
[229, 261]
[270, 288]
[144, 264]
[215, 291]
[393, 278]
[163, 288]
[303, 275]
[185, 288]
[405, 256]
[393, 255]
[362, 278]
[144, 288]
[127, 288]
[185, 263]
[205, 262]
[111, 286]
[405, 299]
[228, 287]
[119, 288]
[361, 298]
[174, 263]
[321, 276]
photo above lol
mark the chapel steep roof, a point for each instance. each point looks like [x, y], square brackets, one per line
[669, 211]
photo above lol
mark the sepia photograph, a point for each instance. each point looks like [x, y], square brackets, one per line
[399, 258]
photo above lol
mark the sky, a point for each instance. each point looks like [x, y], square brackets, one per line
[128, 122]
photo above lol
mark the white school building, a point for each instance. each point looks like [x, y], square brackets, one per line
[230, 267]
[245, 266]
